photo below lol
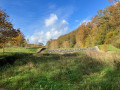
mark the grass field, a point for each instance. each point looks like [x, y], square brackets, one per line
[82, 70]
[110, 48]
[12, 51]
[20, 50]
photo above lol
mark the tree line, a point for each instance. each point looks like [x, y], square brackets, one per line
[103, 28]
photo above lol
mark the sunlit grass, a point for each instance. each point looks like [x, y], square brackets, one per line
[90, 70]
[110, 48]
[12, 51]
[21, 49]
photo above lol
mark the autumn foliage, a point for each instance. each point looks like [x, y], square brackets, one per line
[103, 28]
[7, 33]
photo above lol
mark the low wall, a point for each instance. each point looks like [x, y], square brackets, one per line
[71, 50]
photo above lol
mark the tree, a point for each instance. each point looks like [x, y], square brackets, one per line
[112, 0]
[7, 32]
[102, 29]
[19, 40]
[41, 44]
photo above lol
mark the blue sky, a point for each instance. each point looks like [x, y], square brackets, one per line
[42, 20]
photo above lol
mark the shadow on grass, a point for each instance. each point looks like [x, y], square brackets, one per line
[47, 57]
[10, 59]
[71, 75]
[27, 57]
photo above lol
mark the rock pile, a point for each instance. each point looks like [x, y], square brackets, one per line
[71, 50]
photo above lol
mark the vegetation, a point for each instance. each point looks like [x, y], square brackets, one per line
[22, 68]
[8, 34]
[109, 48]
[83, 70]
[104, 28]
[13, 51]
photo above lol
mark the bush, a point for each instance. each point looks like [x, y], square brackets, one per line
[116, 42]
[104, 48]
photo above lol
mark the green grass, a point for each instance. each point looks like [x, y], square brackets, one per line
[60, 72]
[110, 48]
[21, 50]
[12, 51]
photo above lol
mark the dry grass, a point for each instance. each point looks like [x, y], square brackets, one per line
[104, 57]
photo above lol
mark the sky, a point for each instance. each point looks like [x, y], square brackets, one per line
[42, 20]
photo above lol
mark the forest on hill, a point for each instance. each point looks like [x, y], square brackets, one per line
[103, 28]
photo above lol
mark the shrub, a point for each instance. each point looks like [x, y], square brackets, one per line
[104, 48]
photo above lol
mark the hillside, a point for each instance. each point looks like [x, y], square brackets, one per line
[104, 28]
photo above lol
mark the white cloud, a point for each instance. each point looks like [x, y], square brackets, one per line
[64, 22]
[55, 30]
[51, 20]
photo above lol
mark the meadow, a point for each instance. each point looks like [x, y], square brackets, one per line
[109, 47]
[26, 69]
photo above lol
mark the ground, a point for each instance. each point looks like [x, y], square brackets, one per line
[81, 70]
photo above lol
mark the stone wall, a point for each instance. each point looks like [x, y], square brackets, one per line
[71, 50]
